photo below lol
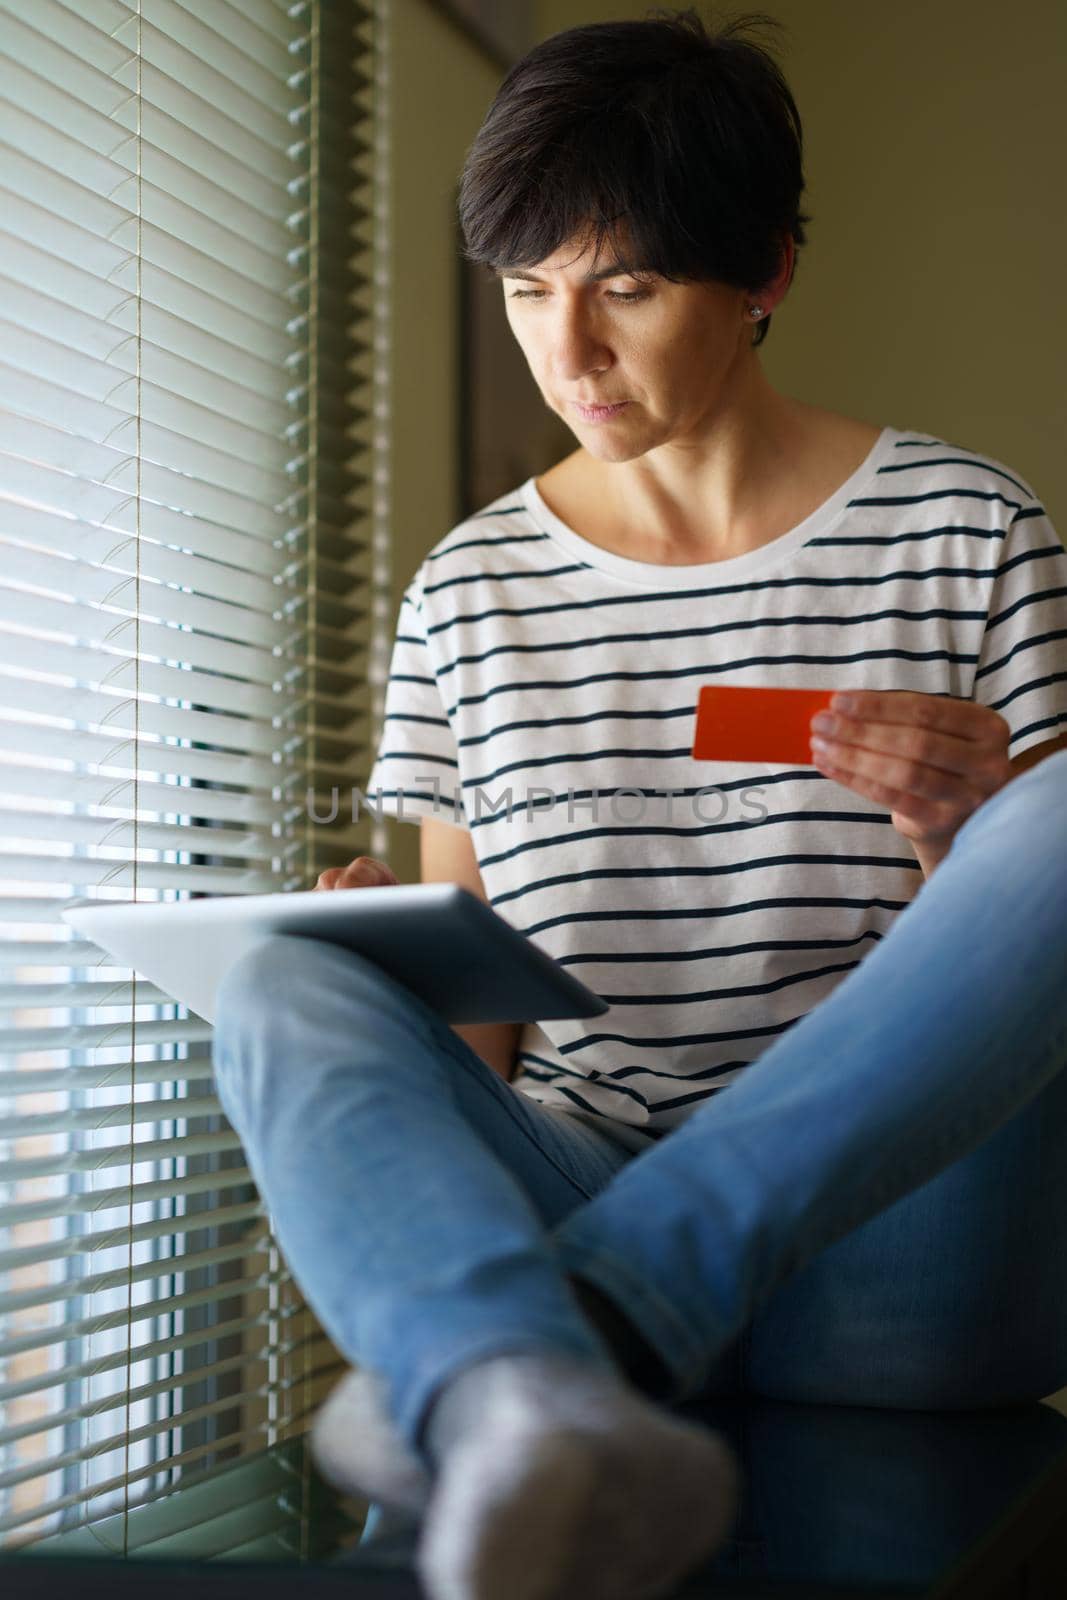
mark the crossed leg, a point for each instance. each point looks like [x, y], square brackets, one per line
[875, 1212]
[836, 1218]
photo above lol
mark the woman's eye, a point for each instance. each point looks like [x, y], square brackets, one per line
[612, 294]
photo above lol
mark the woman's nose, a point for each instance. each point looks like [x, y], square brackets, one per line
[577, 349]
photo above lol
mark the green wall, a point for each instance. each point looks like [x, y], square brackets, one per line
[441, 89]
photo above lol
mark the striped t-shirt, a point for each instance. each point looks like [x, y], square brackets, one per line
[543, 694]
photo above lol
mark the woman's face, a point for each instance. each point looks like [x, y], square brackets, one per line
[669, 354]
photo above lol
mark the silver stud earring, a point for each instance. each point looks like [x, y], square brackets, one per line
[755, 311]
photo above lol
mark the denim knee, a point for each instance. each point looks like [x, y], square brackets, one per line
[254, 977]
[277, 992]
[250, 981]
[247, 988]
[1035, 802]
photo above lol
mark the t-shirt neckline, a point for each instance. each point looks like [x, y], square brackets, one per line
[654, 575]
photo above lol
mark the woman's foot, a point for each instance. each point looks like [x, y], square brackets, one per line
[357, 1448]
[557, 1481]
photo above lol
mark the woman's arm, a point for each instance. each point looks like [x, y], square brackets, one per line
[447, 856]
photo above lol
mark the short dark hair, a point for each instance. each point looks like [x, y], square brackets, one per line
[687, 134]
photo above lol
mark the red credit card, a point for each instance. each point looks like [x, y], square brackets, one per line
[744, 723]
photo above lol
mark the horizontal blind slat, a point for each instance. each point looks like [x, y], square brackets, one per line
[144, 755]
[309, 1354]
[290, 774]
[29, 996]
[112, 35]
[191, 1415]
[39, 316]
[93, 1283]
[119, 583]
[99, 495]
[222, 33]
[86, 85]
[85, 1036]
[141, 1312]
[29, 555]
[138, 796]
[292, 1427]
[43, 1425]
[209, 66]
[68, 1458]
[140, 716]
[125, 1195]
[114, 1238]
[151, 719]
[167, 298]
[122, 1481]
[157, 1510]
[97, 874]
[141, 1113]
[166, 431]
[252, 282]
[98, 628]
[23, 1168]
[115, 670]
[100, 154]
[196, 357]
[63, 1080]
[252, 845]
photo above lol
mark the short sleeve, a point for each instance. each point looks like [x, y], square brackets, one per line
[416, 770]
[1022, 663]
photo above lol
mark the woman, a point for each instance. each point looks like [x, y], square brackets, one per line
[535, 1239]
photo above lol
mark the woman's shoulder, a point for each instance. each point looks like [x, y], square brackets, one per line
[479, 544]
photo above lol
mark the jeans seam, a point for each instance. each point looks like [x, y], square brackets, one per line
[886, 1188]
[428, 1022]
[591, 1257]
[503, 1097]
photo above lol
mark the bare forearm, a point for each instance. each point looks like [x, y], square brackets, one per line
[495, 1042]
[929, 856]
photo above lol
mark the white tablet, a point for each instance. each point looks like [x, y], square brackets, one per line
[447, 945]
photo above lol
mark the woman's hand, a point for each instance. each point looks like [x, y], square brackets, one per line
[930, 758]
[363, 873]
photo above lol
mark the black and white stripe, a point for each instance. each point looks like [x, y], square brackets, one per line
[528, 659]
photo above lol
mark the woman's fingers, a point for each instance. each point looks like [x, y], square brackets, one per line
[365, 872]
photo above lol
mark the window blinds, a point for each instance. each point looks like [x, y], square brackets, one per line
[187, 249]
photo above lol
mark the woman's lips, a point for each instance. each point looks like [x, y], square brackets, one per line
[599, 413]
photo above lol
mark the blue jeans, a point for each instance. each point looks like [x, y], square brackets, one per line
[873, 1214]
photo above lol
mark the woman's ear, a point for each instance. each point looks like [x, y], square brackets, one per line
[775, 292]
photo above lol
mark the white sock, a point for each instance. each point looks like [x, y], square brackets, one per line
[557, 1481]
[357, 1448]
